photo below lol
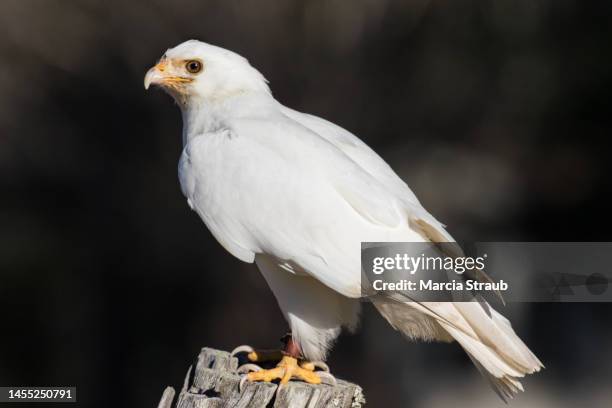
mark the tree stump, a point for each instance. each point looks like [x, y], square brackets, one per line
[215, 383]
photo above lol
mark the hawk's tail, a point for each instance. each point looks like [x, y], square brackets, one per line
[486, 336]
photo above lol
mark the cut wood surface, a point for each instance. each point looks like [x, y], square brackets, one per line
[215, 383]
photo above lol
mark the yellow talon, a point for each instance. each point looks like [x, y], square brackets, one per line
[287, 369]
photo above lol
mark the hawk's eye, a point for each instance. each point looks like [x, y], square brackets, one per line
[193, 66]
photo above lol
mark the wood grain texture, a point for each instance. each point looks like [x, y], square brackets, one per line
[215, 383]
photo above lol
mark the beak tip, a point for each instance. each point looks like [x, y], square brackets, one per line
[150, 78]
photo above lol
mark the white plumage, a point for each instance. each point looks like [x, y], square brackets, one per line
[297, 195]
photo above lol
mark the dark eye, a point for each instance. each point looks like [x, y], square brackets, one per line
[193, 66]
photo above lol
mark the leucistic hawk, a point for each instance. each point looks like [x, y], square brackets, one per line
[297, 194]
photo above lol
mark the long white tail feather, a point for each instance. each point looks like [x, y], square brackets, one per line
[493, 362]
[496, 332]
[487, 337]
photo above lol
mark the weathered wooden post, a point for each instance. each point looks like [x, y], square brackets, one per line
[215, 383]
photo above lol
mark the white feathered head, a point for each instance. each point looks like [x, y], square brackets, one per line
[195, 70]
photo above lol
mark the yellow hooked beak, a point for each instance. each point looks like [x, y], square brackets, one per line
[163, 74]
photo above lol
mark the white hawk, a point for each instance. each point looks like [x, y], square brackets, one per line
[297, 194]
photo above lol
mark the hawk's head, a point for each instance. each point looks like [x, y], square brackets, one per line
[198, 71]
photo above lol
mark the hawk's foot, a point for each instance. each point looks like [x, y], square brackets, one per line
[288, 368]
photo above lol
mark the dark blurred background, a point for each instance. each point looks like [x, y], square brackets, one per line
[495, 112]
